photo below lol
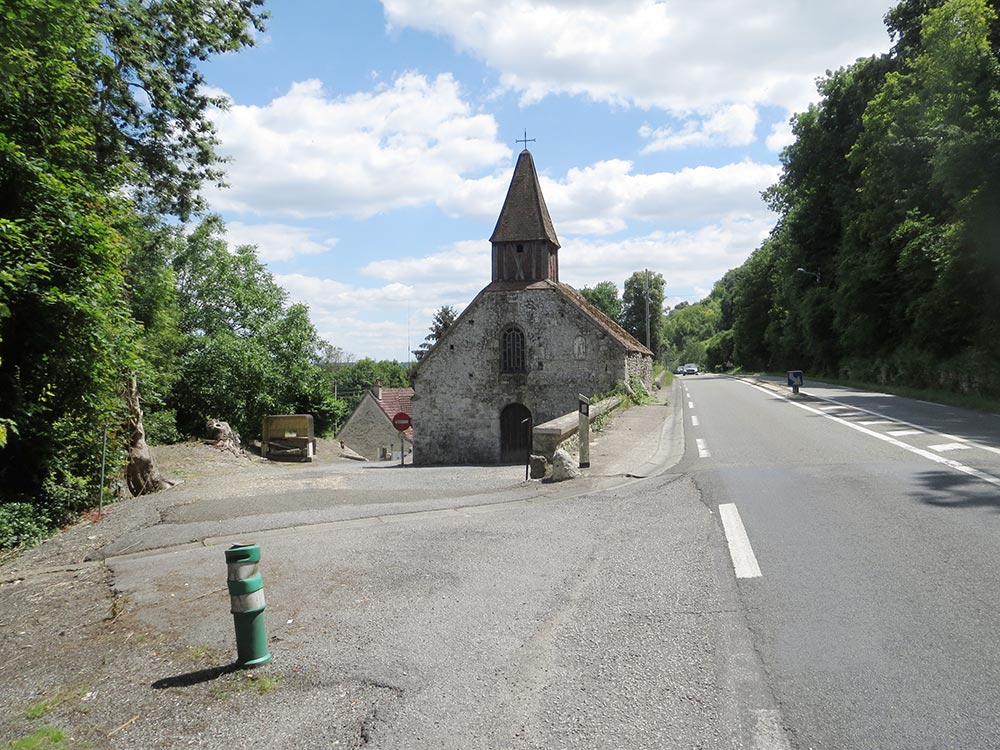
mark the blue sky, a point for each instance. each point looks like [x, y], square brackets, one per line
[371, 143]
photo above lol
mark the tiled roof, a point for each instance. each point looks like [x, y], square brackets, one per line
[524, 215]
[395, 400]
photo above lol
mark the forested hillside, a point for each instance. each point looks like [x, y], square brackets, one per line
[884, 265]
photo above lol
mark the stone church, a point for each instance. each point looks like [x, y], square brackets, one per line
[522, 350]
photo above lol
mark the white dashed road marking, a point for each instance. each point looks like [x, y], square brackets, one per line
[694, 421]
[971, 471]
[901, 433]
[872, 422]
[942, 447]
[744, 561]
[702, 448]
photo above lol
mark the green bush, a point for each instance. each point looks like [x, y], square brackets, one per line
[161, 427]
[21, 524]
[64, 495]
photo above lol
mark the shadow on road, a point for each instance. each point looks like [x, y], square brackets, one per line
[194, 678]
[949, 489]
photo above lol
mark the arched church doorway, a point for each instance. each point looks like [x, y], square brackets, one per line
[515, 434]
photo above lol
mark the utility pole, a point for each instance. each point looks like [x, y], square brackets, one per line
[647, 310]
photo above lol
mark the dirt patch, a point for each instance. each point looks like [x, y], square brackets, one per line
[194, 460]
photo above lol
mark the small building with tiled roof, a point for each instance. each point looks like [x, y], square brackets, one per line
[369, 431]
[522, 350]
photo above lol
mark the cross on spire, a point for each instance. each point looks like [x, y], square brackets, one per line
[526, 140]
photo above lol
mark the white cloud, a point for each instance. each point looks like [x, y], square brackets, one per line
[377, 321]
[781, 136]
[600, 199]
[277, 242]
[728, 126]
[308, 154]
[690, 260]
[684, 56]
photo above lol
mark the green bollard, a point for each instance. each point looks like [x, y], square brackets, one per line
[246, 592]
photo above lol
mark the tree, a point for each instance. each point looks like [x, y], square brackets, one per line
[686, 330]
[442, 321]
[354, 380]
[604, 296]
[102, 116]
[642, 309]
[246, 353]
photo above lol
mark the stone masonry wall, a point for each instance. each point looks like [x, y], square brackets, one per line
[460, 391]
[368, 430]
[641, 367]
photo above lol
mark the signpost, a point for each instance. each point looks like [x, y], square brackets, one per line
[583, 431]
[402, 422]
[795, 380]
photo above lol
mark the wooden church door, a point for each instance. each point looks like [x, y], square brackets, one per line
[515, 434]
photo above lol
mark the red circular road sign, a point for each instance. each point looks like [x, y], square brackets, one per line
[402, 421]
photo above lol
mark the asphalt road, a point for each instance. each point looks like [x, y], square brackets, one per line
[607, 620]
[465, 608]
[873, 523]
[601, 613]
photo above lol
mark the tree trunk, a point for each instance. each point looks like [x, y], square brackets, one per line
[141, 475]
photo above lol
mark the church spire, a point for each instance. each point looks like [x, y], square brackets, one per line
[524, 215]
[524, 242]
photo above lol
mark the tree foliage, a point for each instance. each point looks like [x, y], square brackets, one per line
[889, 194]
[642, 309]
[244, 351]
[353, 380]
[604, 296]
[443, 318]
[104, 125]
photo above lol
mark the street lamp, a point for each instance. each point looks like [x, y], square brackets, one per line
[811, 273]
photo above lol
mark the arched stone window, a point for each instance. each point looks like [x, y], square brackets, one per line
[512, 355]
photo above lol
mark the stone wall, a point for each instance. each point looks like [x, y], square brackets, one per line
[641, 367]
[369, 430]
[460, 391]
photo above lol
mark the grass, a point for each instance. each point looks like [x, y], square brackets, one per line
[240, 681]
[262, 685]
[52, 702]
[43, 738]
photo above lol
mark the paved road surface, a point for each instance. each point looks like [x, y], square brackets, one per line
[877, 609]
[546, 619]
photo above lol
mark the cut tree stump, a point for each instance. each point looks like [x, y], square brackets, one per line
[223, 437]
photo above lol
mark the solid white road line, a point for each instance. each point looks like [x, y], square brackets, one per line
[942, 447]
[989, 478]
[702, 448]
[901, 433]
[694, 421]
[744, 561]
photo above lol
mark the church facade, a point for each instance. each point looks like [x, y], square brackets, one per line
[521, 351]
